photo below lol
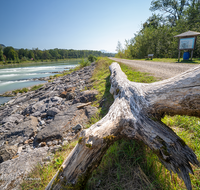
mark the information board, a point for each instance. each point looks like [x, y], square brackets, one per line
[186, 43]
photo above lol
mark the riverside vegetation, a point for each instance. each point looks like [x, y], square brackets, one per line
[128, 164]
[9, 55]
[169, 60]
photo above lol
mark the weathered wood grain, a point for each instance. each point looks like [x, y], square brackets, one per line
[136, 113]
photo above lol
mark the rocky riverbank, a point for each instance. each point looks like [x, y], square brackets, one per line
[36, 124]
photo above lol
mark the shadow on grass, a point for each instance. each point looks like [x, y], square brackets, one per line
[107, 99]
[127, 165]
[190, 61]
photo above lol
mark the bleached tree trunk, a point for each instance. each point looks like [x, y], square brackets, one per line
[136, 113]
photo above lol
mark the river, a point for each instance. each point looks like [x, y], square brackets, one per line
[19, 76]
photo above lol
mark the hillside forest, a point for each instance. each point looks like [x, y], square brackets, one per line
[11, 55]
[156, 36]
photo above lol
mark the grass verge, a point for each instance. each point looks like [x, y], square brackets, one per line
[171, 60]
[188, 128]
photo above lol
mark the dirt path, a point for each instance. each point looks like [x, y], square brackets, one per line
[160, 70]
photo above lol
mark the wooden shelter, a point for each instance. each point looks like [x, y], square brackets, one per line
[187, 41]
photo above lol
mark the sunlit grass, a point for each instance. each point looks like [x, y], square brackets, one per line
[23, 90]
[171, 60]
[36, 87]
[188, 128]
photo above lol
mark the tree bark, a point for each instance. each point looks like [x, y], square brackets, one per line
[136, 113]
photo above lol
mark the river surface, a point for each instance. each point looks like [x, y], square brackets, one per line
[13, 77]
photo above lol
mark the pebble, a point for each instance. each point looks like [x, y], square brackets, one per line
[42, 122]
[46, 159]
[65, 143]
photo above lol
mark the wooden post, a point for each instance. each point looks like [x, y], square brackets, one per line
[191, 55]
[179, 55]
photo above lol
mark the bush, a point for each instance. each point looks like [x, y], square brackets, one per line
[92, 58]
[84, 63]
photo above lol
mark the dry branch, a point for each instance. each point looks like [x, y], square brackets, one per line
[136, 113]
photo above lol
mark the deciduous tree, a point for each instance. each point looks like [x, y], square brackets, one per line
[1, 55]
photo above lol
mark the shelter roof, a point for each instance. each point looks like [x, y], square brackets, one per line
[187, 34]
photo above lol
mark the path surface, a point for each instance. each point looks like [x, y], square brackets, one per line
[160, 70]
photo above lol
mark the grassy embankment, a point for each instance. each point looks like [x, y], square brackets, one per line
[128, 164]
[170, 60]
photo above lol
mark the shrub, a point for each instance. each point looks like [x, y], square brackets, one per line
[92, 58]
[84, 63]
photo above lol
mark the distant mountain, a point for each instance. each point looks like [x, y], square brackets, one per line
[104, 51]
[2, 46]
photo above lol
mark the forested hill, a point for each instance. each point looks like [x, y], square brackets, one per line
[156, 35]
[9, 54]
[2, 46]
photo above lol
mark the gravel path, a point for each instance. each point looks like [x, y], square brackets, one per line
[160, 70]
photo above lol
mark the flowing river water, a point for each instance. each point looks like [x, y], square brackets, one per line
[19, 76]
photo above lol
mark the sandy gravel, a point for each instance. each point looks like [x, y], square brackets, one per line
[160, 70]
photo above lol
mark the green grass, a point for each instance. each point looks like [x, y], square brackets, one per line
[171, 60]
[44, 174]
[23, 90]
[127, 165]
[137, 76]
[36, 87]
[84, 63]
[188, 128]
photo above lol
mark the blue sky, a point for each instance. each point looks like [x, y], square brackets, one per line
[70, 24]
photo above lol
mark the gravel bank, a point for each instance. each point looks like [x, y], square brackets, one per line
[160, 70]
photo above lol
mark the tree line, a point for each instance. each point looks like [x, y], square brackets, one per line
[156, 35]
[9, 54]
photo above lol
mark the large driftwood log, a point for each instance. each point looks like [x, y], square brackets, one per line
[136, 113]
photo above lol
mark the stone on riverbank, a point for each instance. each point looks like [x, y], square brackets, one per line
[39, 121]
